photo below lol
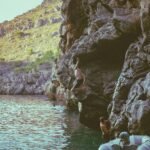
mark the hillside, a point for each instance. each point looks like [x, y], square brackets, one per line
[32, 36]
[28, 46]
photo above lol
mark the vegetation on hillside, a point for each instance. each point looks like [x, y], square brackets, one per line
[29, 40]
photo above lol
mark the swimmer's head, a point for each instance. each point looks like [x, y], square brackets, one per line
[102, 119]
[124, 138]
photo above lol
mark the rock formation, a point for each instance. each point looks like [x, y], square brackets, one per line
[23, 83]
[27, 49]
[111, 38]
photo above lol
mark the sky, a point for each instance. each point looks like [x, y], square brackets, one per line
[12, 8]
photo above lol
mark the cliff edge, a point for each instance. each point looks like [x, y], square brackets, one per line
[111, 38]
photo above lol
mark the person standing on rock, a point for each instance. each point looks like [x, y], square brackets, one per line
[53, 89]
[54, 82]
[79, 76]
[105, 127]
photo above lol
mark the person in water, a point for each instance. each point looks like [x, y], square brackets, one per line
[125, 142]
[105, 127]
[79, 76]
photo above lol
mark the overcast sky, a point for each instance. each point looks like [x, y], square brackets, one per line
[12, 8]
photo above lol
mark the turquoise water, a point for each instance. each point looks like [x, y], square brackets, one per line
[33, 123]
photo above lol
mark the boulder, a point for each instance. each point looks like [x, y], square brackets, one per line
[41, 22]
[55, 20]
[2, 31]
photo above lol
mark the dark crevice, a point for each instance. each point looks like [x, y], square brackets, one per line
[108, 52]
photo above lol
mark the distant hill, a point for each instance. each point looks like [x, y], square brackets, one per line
[32, 36]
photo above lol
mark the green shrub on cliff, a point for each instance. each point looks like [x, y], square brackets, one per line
[25, 41]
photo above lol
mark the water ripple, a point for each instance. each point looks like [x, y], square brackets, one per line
[31, 125]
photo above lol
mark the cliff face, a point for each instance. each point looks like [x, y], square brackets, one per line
[13, 82]
[28, 45]
[111, 39]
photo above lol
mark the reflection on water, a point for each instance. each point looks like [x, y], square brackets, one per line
[80, 137]
[32, 123]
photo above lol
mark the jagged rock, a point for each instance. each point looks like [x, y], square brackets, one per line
[111, 39]
[55, 20]
[23, 35]
[2, 31]
[58, 8]
[41, 22]
[27, 25]
[46, 2]
[22, 83]
[54, 34]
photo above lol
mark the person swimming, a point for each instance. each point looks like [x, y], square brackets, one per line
[125, 142]
[105, 127]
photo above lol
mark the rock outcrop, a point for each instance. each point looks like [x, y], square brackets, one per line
[111, 38]
[23, 83]
[34, 18]
[2, 31]
[41, 22]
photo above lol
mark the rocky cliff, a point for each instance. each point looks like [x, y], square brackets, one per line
[28, 45]
[111, 38]
[33, 82]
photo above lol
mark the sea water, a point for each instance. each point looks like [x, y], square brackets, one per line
[34, 123]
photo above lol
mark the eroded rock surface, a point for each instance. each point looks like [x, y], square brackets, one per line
[13, 82]
[111, 39]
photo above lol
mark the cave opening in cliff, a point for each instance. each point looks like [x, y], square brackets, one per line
[108, 53]
[103, 63]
